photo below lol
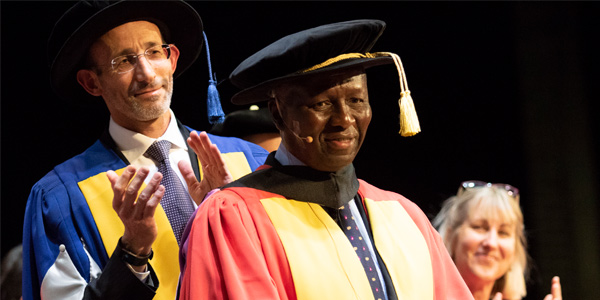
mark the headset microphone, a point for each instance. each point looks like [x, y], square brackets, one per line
[309, 139]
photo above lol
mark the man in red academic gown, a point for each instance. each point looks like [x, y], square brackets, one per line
[303, 226]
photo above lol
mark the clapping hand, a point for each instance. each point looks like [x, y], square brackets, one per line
[137, 211]
[214, 170]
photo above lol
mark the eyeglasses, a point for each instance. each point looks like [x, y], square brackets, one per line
[155, 54]
[511, 190]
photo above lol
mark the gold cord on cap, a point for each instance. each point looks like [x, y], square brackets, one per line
[409, 122]
[338, 58]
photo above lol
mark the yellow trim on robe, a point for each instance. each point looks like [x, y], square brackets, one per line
[236, 164]
[323, 263]
[99, 195]
[401, 245]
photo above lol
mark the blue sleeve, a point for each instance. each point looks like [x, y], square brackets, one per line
[63, 253]
[255, 154]
[48, 225]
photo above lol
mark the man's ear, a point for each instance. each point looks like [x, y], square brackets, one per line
[275, 115]
[88, 79]
[174, 57]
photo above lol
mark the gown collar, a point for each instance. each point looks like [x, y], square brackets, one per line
[302, 183]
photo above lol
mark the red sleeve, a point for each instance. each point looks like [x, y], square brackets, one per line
[234, 252]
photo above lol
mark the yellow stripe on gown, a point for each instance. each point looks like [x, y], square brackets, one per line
[99, 195]
[325, 266]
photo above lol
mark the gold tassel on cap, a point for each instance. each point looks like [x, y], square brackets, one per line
[409, 122]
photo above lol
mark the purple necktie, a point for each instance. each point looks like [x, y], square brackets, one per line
[350, 228]
[176, 202]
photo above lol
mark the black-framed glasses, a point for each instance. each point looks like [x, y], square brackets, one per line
[511, 190]
[155, 54]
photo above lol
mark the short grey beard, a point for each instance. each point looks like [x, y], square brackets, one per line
[144, 114]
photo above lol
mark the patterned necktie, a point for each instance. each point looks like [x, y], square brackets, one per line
[350, 228]
[176, 202]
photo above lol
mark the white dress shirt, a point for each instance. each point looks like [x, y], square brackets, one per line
[133, 145]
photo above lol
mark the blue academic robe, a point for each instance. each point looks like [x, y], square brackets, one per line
[70, 232]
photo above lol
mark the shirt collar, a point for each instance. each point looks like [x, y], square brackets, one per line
[285, 158]
[134, 144]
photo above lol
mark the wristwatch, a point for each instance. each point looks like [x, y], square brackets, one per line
[133, 259]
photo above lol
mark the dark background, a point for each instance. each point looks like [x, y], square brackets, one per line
[505, 92]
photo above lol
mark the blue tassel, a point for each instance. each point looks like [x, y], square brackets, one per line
[213, 101]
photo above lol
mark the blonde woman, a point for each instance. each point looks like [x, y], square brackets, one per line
[482, 227]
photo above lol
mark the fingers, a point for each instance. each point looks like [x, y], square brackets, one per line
[207, 152]
[214, 169]
[220, 169]
[556, 289]
[198, 143]
[152, 204]
[143, 200]
[136, 208]
[131, 193]
[212, 156]
[215, 156]
[211, 149]
[119, 184]
[188, 173]
[112, 177]
[126, 189]
[193, 141]
[498, 296]
[195, 188]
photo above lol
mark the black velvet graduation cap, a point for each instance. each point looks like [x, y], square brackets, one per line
[86, 21]
[323, 50]
[286, 58]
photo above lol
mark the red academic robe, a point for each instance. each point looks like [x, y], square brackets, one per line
[247, 243]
